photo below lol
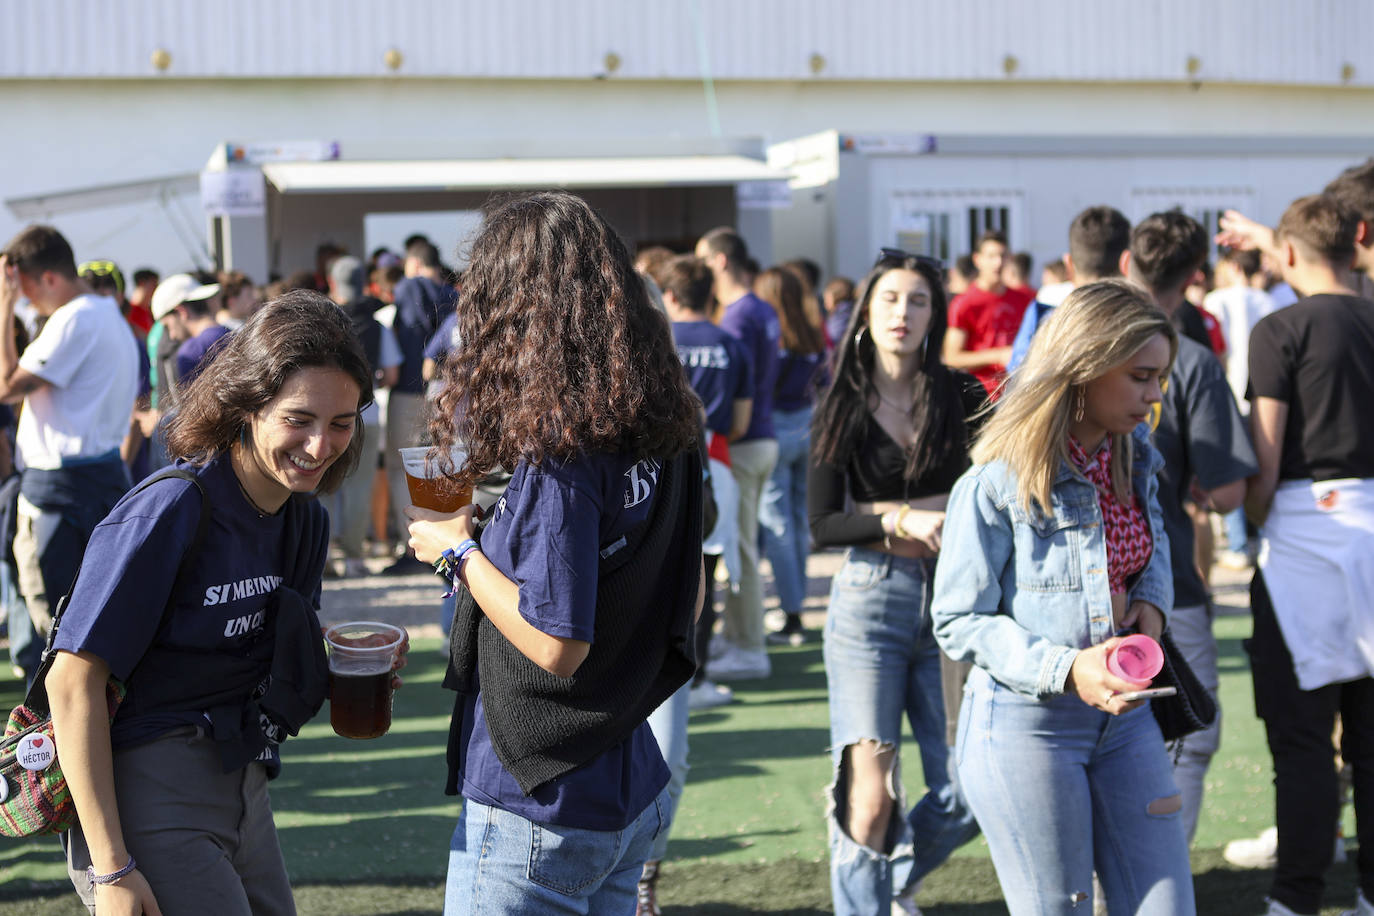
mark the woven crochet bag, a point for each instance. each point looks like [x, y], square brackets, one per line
[34, 798]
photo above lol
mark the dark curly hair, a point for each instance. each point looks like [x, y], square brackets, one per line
[562, 353]
[299, 330]
[937, 412]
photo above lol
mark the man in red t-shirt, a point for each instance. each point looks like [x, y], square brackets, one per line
[983, 320]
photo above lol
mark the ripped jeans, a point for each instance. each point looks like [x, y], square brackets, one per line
[1061, 788]
[881, 662]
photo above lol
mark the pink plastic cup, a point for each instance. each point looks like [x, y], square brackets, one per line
[1137, 658]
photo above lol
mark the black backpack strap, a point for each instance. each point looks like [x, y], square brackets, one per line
[37, 696]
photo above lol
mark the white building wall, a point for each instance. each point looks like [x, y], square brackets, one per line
[1247, 41]
[66, 134]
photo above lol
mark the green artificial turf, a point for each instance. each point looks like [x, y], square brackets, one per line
[364, 825]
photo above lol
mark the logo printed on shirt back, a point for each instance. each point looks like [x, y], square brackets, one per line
[710, 357]
[643, 476]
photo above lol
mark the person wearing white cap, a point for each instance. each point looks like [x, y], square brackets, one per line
[77, 381]
[192, 323]
[164, 340]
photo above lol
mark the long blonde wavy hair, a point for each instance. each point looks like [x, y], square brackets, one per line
[1097, 328]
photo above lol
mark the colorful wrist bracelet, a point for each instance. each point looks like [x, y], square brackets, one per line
[465, 550]
[113, 877]
[451, 560]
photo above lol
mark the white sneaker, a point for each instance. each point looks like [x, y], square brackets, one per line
[1362, 906]
[355, 568]
[1256, 852]
[1278, 909]
[740, 665]
[708, 695]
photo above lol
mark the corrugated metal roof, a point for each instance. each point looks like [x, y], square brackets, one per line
[1317, 42]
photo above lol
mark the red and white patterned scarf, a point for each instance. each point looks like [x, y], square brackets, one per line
[1125, 527]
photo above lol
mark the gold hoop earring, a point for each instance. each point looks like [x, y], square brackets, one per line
[1078, 406]
[859, 336]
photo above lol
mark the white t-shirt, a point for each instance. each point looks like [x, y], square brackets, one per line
[389, 356]
[1238, 309]
[88, 355]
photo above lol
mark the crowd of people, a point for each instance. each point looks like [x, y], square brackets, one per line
[1019, 478]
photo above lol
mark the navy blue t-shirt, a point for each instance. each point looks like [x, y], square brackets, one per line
[800, 375]
[195, 354]
[421, 306]
[717, 368]
[546, 534]
[755, 323]
[444, 339]
[131, 564]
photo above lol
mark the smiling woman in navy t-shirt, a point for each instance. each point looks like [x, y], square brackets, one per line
[574, 616]
[172, 798]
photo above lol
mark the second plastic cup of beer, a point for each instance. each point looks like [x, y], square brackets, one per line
[361, 654]
[427, 479]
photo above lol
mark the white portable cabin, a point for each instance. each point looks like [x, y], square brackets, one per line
[853, 193]
[283, 202]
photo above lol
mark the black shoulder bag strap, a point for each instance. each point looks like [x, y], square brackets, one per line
[37, 696]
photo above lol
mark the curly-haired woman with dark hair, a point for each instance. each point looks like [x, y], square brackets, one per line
[172, 797]
[575, 613]
[889, 439]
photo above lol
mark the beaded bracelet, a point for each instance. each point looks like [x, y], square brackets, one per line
[113, 877]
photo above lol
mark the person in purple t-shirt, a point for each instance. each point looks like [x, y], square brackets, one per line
[198, 350]
[191, 322]
[782, 511]
[752, 455]
[568, 376]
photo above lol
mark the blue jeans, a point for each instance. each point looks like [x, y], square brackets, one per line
[669, 724]
[1236, 536]
[881, 662]
[1061, 789]
[501, 864]
[26, 648]
[782, 511]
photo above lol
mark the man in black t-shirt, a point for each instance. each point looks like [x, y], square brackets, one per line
[1312, 655]
[1207, 457]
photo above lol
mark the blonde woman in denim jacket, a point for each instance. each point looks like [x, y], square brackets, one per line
[1053, 543]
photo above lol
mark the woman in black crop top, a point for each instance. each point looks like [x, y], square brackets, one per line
[889, 439]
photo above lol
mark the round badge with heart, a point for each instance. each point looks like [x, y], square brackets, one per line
[35, 752]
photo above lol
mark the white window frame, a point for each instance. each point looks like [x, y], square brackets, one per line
[1203, 203]
[952, 219]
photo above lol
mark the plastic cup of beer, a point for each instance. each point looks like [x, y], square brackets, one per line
[430, 488]
[361, 654]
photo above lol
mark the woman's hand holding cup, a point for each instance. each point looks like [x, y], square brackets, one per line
[1095, 684]
[431, 533]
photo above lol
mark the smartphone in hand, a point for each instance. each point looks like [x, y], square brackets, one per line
[1149, 693]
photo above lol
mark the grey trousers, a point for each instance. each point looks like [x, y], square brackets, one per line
[203, 838]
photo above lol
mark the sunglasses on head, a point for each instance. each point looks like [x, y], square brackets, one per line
[102, 270]
[897, 254]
